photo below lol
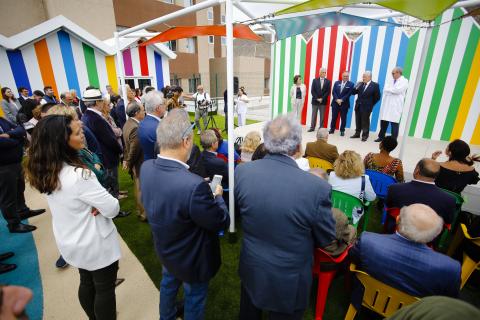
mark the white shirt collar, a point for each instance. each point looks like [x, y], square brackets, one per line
[135, 120]
[154, 116]
[426, 182]
[176, 160]
[96, 111]
[212, 152]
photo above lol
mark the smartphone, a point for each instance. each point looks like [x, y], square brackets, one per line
[217, 179]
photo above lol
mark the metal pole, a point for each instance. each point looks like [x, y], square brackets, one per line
[272, 58]
[121, 70]
[418, 77]
[231, 159]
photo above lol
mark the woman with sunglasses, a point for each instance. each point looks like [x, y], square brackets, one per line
[82, 211]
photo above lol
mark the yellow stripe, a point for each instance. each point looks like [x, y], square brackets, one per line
[476, 133]
[1, 110]
[468, 93]
[111, 72]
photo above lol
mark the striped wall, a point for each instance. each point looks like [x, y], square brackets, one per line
[448, 102]
[63, 62]
[327, 47]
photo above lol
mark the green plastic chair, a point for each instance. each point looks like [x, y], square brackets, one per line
[459, 201]
[346, 203]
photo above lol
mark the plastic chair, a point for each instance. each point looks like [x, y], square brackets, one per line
[378, 296]
[446, 232]
[390, 213]
[380, 182]
[325, 276]
[468, 265]
[320, 163]
[346, 203]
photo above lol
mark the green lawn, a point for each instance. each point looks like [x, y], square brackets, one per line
[224, 290]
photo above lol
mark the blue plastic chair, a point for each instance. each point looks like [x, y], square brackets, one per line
[380, 182]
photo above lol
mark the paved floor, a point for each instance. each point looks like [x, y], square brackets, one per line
[137, 297]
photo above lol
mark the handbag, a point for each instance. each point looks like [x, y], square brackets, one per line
[357, 212]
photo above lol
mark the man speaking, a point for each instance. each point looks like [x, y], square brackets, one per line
[392, 103]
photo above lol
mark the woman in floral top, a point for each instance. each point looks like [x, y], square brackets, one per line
[383, 162]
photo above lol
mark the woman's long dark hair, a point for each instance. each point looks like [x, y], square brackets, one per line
[4, 96]
[49, 151]
[460, 151]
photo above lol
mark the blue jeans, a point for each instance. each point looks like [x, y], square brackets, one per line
[195, 297]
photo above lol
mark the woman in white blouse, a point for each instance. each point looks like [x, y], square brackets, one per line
[347, 176]
[82, 211]
[297, 96]
[242, 105]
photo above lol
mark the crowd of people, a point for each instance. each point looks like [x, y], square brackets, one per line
[76, 146]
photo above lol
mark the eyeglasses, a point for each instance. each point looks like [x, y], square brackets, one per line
[188, 130]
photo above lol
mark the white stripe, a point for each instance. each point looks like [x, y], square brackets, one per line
[57, 64]
[362, 63]
[298, 47]
[33, 70]
[285, 82]
[166, 72]
[277, 77]
[80, 66]
[313, 67]
[377, 57]
[6, 75]
[347, 66]
[101, 71]
[336, 67]
[473, 115]
[456, 62]
[151, 66]
[433, 73]
[412, 81]
[135, 62]
[326, 48]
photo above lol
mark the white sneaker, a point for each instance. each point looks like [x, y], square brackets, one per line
[198, 132]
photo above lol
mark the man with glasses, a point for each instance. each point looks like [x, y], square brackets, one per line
[185, 218]
[23, 96]
[392, 104]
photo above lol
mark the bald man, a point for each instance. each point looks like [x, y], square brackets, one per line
[422, 189]
[404, 261]
[342, 90]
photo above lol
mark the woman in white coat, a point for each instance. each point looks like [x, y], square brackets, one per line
[82, 211]
[392, 103]
[242, 106]
[297, 96]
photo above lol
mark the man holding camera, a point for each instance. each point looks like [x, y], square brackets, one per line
[202, 101]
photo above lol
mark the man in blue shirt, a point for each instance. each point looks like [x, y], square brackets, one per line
[147, 130]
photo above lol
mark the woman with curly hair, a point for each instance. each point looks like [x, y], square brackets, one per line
[250, 144]
[347, 176]
[82, 211]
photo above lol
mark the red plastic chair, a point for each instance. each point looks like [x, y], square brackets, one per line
[325, 277]
[392, 213]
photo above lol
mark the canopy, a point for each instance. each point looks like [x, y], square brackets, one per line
[240, 31]
[426, 10]
[296, 25]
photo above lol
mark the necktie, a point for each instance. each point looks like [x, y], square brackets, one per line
[321, 83]
[365, 87]
[343, 86]
[394, 81]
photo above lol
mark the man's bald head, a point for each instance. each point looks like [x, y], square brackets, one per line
[426, 170]
[419, 223]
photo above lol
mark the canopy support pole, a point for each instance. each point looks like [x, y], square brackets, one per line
[121, 70]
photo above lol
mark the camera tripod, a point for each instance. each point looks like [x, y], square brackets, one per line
[211, 119]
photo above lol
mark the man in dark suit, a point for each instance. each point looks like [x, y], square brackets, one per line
[342, 90]
[320, 92]
[368, 95]
[321, 148]
[404, 261]
[111, 149]
[147, 130]
[133, 155]
[281, 226]
[185, 218]
[209, 163]
[422, 190]
[23, 96]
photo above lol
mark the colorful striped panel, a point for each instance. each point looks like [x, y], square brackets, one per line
[127, 62]
[476, 133]
[111, 72]
[18, 69]
[142, 52]
[68, 61]
[159, 70]
[45, 65]
[91, 65]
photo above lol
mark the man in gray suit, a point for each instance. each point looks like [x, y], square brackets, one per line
[286, 213]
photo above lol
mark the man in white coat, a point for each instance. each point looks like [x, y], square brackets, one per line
[392, 104]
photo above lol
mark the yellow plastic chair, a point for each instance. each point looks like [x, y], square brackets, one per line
[378, 296]
[468, 265]
[320, 163]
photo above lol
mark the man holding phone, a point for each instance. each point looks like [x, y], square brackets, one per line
[185, 220]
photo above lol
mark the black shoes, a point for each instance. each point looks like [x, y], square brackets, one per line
[21, 228]
[311, 130]
[342, 133]
[123, 214]
[331, 131]
[364, 139]
[355, 136]
[30, 213]
[6, 255]
[4, 267]
[378, 140]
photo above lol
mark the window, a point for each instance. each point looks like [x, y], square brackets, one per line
[224, 41]
[210, 14]
[211, 39]
[222, 19]
[169, 1]
[193, 83]
[191, 44]
[131, 83]
[142, 83]
[188, 3]
[172, 45]
[174, 81]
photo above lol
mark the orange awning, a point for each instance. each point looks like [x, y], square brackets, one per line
[240, 31]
